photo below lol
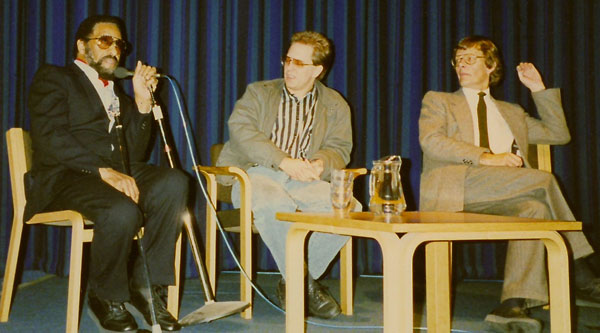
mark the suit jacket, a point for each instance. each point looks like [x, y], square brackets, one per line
[446, 138]
[252, 120]
[69, 131]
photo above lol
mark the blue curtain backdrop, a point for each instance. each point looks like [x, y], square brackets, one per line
[387, 55]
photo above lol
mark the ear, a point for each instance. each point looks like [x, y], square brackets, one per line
[80, 47]
[491, 69]
[317, 71]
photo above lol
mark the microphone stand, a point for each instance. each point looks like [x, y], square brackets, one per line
[125, 163]
[212, 309]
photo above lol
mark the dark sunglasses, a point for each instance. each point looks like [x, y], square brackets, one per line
[105, 42]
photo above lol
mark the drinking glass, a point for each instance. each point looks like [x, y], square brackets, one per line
[341, 191]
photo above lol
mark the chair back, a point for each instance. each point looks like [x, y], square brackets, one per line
[223, 191]
[543, 154]
[215, 151]
[19, 149]
[539, 157]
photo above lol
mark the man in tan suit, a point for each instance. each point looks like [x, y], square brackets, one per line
[475, 159]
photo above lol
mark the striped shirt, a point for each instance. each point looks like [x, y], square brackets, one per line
[292, 130]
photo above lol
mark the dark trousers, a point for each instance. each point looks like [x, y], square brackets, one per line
[117, 219]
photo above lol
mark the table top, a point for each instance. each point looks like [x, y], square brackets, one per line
[427, 222]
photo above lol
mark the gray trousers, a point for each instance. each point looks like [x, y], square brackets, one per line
[274, 191]
[530, 193]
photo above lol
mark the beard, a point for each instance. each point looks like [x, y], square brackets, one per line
[103, 72]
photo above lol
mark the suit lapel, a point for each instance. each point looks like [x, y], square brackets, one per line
[273, 101]
[95, 103]
[320, 122]
[462, 113]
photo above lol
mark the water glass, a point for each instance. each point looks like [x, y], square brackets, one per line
[341, 191]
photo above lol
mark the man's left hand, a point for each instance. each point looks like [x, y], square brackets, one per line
[144, 80]
[530, 77]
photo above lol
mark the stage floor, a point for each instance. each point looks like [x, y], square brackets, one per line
[40, 306]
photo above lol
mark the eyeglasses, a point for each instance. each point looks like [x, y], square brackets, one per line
[469, 59]
[287, 61]
[105, 42]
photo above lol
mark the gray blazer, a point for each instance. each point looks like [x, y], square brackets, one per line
[446, 138]
[251, 123]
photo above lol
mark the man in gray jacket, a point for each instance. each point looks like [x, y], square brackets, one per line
[289, 134]
[475, 160]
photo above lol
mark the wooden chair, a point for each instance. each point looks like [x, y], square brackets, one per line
[19, 159]
[539, 156]
[240, 220]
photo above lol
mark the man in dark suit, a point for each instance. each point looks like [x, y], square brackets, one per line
[475, 160]
[78, 164]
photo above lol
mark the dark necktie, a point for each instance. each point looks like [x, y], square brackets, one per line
[482, 121]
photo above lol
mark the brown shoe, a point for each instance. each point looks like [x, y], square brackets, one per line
[320, 302]
[512, 316]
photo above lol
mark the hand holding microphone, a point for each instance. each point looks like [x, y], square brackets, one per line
[144, 82]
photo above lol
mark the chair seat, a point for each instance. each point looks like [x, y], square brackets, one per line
[61, 218]
[230, 220]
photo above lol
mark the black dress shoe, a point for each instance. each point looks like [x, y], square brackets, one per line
[512, 316]
[111, 315]
[140, 299]
[320, 302]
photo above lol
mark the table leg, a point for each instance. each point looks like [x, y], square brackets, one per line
[294, 280]
[346, 279]
[397, 283]
[438, 284]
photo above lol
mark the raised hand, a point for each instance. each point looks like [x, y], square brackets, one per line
[530, 77]
[144, 81]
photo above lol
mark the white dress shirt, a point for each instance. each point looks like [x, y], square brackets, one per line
[499, 134]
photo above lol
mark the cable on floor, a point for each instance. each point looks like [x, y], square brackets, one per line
[192, 151]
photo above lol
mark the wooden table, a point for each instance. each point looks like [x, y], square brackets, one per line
[437, 230]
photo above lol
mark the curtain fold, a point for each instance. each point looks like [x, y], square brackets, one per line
[387, 55]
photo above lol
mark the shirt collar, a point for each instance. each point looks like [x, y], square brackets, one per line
[470, 92]
[287, 94]
[92, 75]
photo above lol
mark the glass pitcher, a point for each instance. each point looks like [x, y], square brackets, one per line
[385, 187]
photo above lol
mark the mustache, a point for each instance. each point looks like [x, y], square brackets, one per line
[110, 57]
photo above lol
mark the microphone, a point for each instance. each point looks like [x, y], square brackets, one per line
[122, 73]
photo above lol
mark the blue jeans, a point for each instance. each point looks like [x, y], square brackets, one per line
[274, 191]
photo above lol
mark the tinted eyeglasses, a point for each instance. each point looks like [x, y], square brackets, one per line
[105, 42]
[469, 59]
[287, 61]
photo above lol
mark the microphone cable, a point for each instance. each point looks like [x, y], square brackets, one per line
[191, 149]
